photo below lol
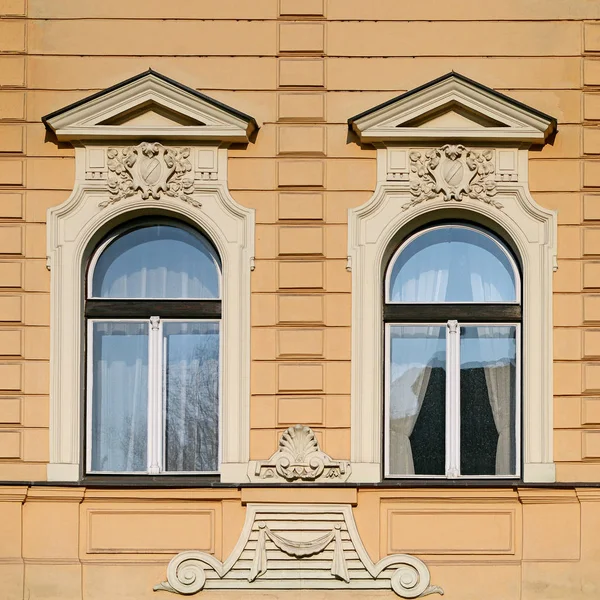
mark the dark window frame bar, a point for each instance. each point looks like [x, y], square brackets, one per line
[464, 313]
[144, 309]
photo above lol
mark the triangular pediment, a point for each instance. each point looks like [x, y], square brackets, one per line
[150, 105]
[152, 114]
[453, 107]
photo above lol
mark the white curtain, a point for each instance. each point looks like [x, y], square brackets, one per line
[401, 456]
[452, 265]
[157, 262]
[499, 377]
[422, 278]
[120, 393]
[490, 282]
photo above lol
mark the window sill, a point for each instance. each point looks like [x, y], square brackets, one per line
[145, 481]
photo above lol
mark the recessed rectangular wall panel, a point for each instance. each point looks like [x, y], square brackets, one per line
[301, 275]
[115, 531]
[296, 309]
[10, 411]
[301, 106]
[295, 377]
[300, 206]
[301, 8]
[443, 531]
[301, 72]
[301, 37]
[10, 444]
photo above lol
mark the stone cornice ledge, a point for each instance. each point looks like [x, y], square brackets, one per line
[547, 496]
[13, 493]
[55, 494]
[588, 494]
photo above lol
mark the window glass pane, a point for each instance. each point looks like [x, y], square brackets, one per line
[191, 351]
[417, 405]
[160, 261]
[488, 400]
[119, 396]
[452, 264]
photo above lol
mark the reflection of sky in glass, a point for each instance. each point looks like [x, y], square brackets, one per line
[452, 264]
[485, 346]
[159, 261]
[412, 348]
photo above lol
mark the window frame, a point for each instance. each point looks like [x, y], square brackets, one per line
[75, 228]
[441, 314]
[376, 227]
[445, 225]
[137, 310]
[452, 425]
[156, 417]
[140, 223]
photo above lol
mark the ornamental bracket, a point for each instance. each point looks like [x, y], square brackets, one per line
[299, 458]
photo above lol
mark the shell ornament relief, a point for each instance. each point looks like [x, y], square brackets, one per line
[454, 172]
[299, 458]
[151, 169]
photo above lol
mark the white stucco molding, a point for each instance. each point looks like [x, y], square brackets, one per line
[453, 107]
[424, 181]
[298, 547]
[183, 178]
[177, 112]
[299, 458]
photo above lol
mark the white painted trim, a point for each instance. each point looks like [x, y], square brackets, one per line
[407, 576]
[376, 228]
[74, 228]
[452, 397]
[86, 121]
[512, 122]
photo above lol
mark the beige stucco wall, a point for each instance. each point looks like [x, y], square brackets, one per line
[301, 68]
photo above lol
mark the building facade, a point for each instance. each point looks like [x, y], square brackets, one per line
[299, 299]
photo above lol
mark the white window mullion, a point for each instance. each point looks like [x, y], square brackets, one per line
[453, 400]
[155, 397]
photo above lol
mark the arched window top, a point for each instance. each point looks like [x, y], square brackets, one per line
[452, 264]
[157, 260]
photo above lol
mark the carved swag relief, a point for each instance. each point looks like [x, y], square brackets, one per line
[454, 172]
[298, 547]
[153, 170]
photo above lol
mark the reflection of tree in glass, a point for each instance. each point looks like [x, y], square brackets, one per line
[192, 401]
[133, 441]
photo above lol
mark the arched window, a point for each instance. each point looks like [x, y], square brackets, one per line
[153, 310]
[452, 318]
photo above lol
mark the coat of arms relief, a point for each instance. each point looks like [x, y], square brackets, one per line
[453, 171]
[151, 169]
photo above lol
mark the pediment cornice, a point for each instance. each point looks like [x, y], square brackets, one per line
[453, 107]
[150, 106]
